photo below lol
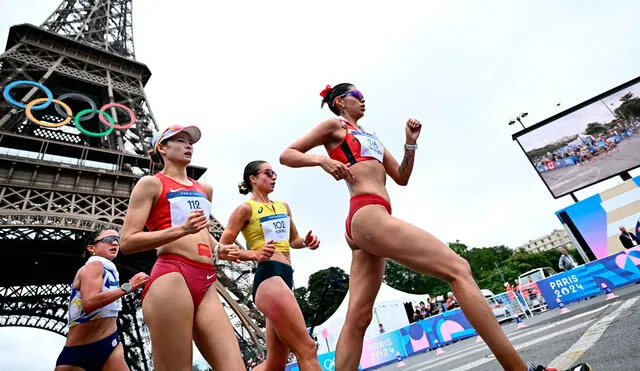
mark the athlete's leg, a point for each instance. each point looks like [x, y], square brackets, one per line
[277, 351]
[279, 305]
[214, 335]
[378, 233]
[116, 361]
[168, 312]
[365, 278]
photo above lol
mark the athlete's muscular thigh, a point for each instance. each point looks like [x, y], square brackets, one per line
[366, 225]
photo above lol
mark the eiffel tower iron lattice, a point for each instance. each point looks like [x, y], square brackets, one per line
[57, 183]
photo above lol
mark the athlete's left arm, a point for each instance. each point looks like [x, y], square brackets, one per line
[227, 252]
[400, 173]
[296, 241]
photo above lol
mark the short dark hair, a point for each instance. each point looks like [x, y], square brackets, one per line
[331, 95]
[252, 168]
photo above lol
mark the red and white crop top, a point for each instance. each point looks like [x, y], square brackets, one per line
[357, 146]
[175, 204]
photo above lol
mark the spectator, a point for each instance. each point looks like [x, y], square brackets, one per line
[566, 261]
[451, 302]
[434, 309]
[381, 328]
[424, 311]
[628, 239]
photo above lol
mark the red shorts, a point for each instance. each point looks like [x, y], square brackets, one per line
[360, 201]
[199, 276]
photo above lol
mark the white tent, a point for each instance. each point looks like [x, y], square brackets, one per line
[388, 310]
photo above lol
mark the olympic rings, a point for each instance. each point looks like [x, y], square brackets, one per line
[12, 85]
[65, 111]
[91, 133]
[112, 124]
[78, 97]
[29, 107]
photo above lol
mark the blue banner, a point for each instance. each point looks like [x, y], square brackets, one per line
[592, 279]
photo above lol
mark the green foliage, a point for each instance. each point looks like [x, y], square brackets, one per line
[323, 295]
[302, 296]
[404, 279]
[629, 110]
[595, 128]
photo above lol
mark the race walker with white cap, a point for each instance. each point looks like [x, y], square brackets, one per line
[170, 212]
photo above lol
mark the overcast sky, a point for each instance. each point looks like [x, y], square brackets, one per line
[249, 74]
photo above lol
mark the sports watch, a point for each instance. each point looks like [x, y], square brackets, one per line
[126, 287]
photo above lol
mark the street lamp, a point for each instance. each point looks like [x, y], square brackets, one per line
[522, 115]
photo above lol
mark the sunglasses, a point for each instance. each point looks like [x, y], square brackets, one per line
[354, 93]
[108, 239]
[269, 172]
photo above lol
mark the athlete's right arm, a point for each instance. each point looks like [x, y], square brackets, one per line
[132, 237]
[325, 133]
[90, 277]
[237, 221]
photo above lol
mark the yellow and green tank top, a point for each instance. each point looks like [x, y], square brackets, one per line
[268, 221]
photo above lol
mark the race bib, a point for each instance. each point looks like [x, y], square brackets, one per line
[182, 203]
[275, 227]
[370, 146]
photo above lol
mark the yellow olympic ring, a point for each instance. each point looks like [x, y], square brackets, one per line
[46, 124]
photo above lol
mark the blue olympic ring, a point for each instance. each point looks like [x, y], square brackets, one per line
[41, 106]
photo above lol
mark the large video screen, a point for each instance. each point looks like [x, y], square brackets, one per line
[588, 143]
[608, 222]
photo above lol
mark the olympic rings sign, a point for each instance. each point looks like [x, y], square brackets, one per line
[65, 111]
[329, 364]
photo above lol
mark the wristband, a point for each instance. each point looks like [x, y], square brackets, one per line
[411, 147]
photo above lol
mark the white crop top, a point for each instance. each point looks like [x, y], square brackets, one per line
[110, 281]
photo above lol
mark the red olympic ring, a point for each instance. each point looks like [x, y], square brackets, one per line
[127, 109]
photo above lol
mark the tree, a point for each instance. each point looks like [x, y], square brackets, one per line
[595, 128]
[483, 259]
[325, 292]
[629, 110]
[626, 97]
[302, 296]
[404, 279]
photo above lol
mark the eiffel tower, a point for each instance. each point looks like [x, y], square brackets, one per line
[59, 180]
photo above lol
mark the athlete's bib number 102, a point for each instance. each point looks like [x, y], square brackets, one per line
[275, 227]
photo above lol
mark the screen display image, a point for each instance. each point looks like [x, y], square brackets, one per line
[588, 143]
[608, 222]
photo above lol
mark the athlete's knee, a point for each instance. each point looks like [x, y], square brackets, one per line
[360, 318]
[460, 270]
[306, 349]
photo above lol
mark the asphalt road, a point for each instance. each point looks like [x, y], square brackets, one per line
[604, 333]
[566, 179]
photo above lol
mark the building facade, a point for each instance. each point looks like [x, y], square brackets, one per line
[557, 239]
